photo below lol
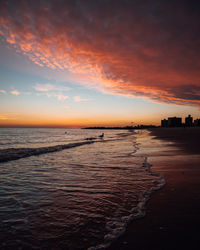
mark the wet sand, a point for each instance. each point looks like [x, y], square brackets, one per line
[188, 139]
[172, 218]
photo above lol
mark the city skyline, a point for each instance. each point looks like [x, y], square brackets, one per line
[177, 122]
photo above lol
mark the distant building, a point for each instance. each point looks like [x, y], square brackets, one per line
[177, 122]
[189, 121]
[164, 123]
[174, 122]
[197, 123]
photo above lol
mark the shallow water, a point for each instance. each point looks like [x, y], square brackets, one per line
[77, 198]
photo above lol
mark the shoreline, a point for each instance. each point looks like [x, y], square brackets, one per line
[172, 214]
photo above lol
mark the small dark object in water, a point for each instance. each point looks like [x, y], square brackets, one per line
[101, 136]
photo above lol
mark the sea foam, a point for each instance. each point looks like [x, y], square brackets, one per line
[117, 228]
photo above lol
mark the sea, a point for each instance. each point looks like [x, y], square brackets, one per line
[70, 188]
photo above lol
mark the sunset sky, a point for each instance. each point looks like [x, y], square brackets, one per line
[103, 62]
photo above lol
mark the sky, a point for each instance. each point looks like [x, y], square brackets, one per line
[83, 63]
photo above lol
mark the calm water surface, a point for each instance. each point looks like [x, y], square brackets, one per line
[77, 198]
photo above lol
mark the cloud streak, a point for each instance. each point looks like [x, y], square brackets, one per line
[60, 97]
[48, 90]
[80, 99]
[133, 48]
[2, 91]
[4, 117]
[49, 87]
[15, 92]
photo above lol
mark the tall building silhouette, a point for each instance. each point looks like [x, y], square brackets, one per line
[188, 121]
[197, 122]
[171, 122]
[177, 122]
[174, 122]
[164, 123]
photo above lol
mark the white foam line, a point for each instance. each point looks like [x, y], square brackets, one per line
[118, 228]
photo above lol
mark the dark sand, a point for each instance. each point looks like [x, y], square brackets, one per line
[172, 218]
[188, 139]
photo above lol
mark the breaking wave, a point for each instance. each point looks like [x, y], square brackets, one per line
[11, 154]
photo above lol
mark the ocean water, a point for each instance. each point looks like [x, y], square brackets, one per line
[59, 190]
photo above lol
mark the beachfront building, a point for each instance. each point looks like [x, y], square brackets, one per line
[197, 123]
[189, 121]
[164, 123]
[171, 122]
[177, 122]
[174, 122]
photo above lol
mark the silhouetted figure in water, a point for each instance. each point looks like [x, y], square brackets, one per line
[101, 136]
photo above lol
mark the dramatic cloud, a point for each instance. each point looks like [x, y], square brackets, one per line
[15, 92]
[134, 48]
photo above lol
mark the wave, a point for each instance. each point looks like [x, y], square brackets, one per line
[118, 227]
[11, 154]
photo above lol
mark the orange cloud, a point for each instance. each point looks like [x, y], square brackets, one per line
[127, 48]
[5, 117]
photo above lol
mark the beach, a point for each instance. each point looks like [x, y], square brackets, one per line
[172, 213]
[66, 193]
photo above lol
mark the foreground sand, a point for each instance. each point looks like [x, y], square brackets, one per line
[173, 213]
